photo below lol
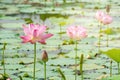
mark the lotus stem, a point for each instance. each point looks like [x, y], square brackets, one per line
[107, 10]
[118, 68]
[99, 41]
[45, 4]
[34, 61]
[111, 68]
[44, 70]
[81, 66]
[60, 33]
[107, 37]
[53, 3]
[59, 47]
[76, 60]
[3, 56]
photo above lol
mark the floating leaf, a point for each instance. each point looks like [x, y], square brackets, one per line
[47, 15]
[108, 31]
[88, 66]
[62, 23]
[115, 77]
[28, 69]
[28, 20]
[68, 42]
[26, 75]
[61, 32]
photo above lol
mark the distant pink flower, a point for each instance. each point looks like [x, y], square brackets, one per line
[35, 33]
[8, 79]
[99, 15]
[76, 32]
[107, 19]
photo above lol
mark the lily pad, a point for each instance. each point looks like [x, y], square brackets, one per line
[88, 67]
[115, 77]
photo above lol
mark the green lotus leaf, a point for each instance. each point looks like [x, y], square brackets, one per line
[113, 54]
[115, 77]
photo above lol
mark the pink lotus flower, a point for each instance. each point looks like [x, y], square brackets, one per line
[8, 79]
[35, 33]
[76, 32]
[99, 15]
[107, 19]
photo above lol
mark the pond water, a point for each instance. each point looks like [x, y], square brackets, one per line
[19, 57]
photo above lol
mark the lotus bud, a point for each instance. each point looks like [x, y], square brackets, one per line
[4, 47]
[81, 65]
[108, 8]
[44, 56]
[81, 59]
